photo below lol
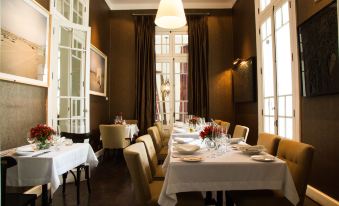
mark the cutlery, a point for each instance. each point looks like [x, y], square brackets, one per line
[36, 155]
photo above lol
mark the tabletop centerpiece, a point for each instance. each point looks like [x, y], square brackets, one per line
[42, 135]
[208, 134]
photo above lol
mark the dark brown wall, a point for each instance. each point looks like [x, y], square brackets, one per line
[122, 67]
[319, 115]
[98, 21]
[320, 124]
[245, 47]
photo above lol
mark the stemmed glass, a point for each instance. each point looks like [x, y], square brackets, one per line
[56, 138]
[29, 139]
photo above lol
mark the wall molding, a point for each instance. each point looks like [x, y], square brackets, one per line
[320, 197]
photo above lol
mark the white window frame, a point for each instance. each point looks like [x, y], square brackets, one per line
[59, 20]
[261, 16]
[172, 58]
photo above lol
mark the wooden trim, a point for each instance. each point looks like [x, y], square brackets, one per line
[320, 197]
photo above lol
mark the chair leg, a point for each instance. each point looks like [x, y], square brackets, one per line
[229, 201]
[87, 178]
[219, 198]
[64, 177]
[78, 184]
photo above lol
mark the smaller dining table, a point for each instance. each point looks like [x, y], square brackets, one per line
[45, 166]
[231, 170]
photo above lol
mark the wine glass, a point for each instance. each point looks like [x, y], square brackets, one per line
[56, 138]
[29, 139]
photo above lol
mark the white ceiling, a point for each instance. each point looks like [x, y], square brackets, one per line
[153, 4]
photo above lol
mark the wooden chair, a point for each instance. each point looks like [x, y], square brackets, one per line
[298, 157]
[13, 199]
[270, 142]
[152, 157]
[77, 138]
[240, 131]
[146, 189]
[159, 148]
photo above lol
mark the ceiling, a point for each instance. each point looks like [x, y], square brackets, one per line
[153, 4]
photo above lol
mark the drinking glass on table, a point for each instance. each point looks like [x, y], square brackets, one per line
[56, 138]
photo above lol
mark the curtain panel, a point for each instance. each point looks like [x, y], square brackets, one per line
[198, 95]
[145, 67]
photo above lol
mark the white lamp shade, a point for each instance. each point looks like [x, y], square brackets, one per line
[171, 14]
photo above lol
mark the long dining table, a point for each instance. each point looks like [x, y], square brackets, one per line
[230, 170]
[43, 167]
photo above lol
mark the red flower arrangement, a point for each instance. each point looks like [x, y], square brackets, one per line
[208, 132]
[41, 133]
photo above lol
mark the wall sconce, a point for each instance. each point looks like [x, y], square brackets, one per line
[240, 62]
[166, 88]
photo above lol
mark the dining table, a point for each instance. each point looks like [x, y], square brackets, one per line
[220, 171]
[45, 166]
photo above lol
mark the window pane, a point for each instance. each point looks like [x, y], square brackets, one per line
[281, 107]
[281, 127]
[289, 128]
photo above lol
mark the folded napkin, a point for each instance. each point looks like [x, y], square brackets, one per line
[251, 148]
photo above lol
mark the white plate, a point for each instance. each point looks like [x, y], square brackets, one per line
[182, 140]
[192, 159]
[236, 140]
[263, 158]
[23, 153]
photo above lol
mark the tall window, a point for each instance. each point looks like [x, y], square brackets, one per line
[278, 94]
[69, 81]
[171, 48]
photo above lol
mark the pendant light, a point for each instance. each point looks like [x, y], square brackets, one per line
[171, 14]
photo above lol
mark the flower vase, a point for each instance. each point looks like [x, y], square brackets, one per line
[41, 145]
[210, 144]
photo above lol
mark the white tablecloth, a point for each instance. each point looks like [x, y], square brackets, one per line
[231, 171]
[31, 171]
[132, 129]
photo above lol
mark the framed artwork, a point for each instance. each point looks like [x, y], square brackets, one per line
[24, 46]
[244, 81]
[98, 72]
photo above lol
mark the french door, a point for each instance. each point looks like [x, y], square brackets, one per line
[278, 90]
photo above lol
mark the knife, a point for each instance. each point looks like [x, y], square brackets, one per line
[36, 155]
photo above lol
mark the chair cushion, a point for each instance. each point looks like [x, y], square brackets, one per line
[259, 198]
[155, 188]
[18, 199]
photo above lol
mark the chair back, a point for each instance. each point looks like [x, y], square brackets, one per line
[225, 124]
[240, 131]
[298, 157]
[154, 132]
[113, 136]
[217, 121]
[76, 138]
[131, 121]
[270, 142]
[137, 163]
[151, 153]
[6, 162]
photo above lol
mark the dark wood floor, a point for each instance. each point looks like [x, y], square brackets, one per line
[111, 185]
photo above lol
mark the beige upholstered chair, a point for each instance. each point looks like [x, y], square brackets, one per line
[218, 121]
[164, 135]
[131, 121]
[152, 156]
[270, 142]
[159, 148]
[225, 124]
[114, 136]
[240, 131]
[298, 157]
[147, 190]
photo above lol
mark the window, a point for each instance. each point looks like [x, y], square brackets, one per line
[68, 97]
[278, 95]
[171, 48]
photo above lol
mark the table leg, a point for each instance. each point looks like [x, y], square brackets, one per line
[219, 198]
[209, 200]
[229, 201]
[44, 195]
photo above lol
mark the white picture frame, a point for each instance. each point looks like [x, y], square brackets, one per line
[98, 64]
[25, 37]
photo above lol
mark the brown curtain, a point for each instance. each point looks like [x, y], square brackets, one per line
[198, 103]
[145, 67]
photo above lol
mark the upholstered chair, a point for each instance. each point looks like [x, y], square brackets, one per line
[152, 156]
[218, 121]
[270, 142]
[159, 148]
[240, 131]
[164, 135]
[131, 121]
[298, 157]
[146, 189]
[226, 125]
